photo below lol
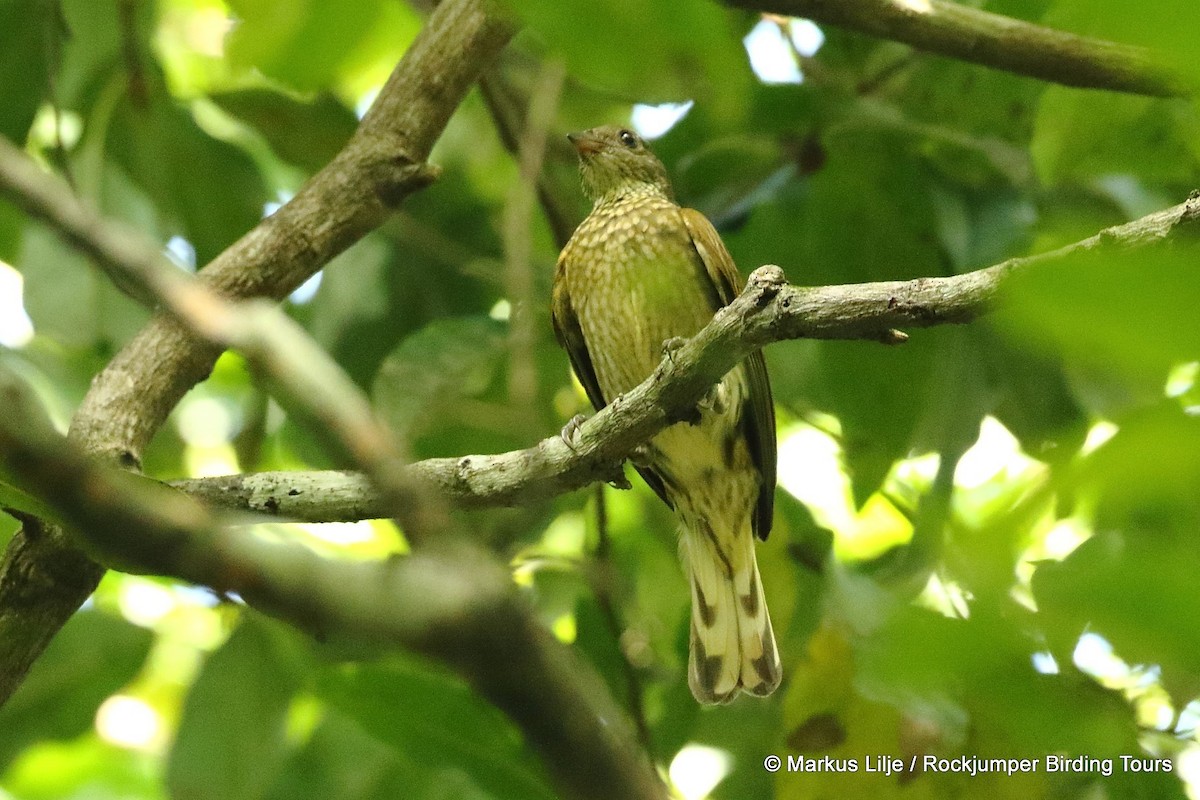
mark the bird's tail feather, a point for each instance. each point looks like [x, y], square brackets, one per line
[732, 643]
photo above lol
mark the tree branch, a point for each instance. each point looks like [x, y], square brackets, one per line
[449, 603]
[767, 311]
[43, 576]
[959, 31]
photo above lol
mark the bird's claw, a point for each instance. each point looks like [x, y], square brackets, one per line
[570, 431]
[672, 346]
[640, 456]
[715, 399]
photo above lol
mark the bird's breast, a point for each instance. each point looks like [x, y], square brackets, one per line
[635, 280]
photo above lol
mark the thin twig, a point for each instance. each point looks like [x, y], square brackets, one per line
[137, 87]
[602, 588]
[520, 286]
[509, 106]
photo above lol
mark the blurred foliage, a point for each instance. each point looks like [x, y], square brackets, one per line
[986, 540]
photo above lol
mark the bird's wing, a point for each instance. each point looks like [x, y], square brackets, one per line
[570, 336]
[759, 424]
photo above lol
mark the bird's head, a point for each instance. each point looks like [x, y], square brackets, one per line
[615, 161]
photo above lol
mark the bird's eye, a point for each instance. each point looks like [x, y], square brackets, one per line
[628, 139]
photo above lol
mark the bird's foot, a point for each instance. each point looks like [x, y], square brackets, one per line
[642, 455]
[690, 415]
[716, 399]
[570, 432]
[672, 346]
[617, 479]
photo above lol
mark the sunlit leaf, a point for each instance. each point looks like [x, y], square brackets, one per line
[305, 44]
[307, 134]
[646, 50]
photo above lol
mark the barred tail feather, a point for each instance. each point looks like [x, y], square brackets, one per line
[732, 643]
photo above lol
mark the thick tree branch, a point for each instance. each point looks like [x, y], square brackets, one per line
[43, 577]
[960, 31]
[767, 311]
[452, 604]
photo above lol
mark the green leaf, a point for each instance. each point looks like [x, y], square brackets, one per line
[447, 359]
[70, 300]
[339, 760]
[12, 224]
[93, 656]
[305, 133]
[815, 230]
[27, 36]
[1078, 135]
[1033, 400]
[1166, 27]
[594, 639]
[85, 768]
[441, 729]
[230, 743]
[1134, 590]
[304, 43]
[8, 527]
[969, 99]
[726, 178]
[978, 673]
[94, 45]
[878, 395]
[1125, 316]
[13, 499]
[209, 189]
[1147, 474]
[646, 49]
[1133, 582]
[433, 260]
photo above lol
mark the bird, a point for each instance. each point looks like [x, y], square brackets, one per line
[637, 275]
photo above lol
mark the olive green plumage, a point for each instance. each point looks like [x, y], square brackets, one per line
[637, 272]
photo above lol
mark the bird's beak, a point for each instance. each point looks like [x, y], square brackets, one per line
[585, 143]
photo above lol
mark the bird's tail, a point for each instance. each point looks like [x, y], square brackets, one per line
[732, 644]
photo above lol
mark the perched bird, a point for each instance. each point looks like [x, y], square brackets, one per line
[638, 272]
